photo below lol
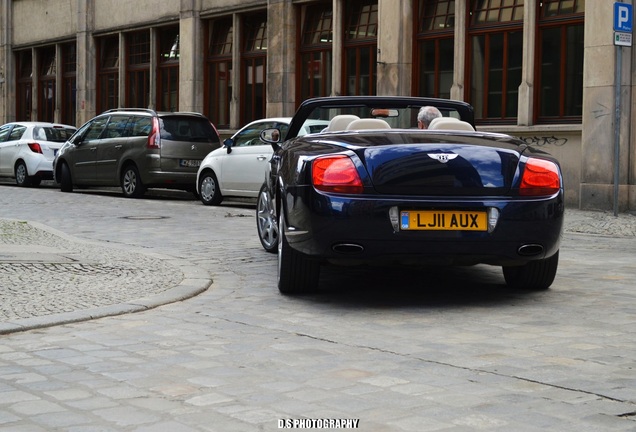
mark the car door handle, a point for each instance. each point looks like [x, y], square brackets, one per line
[118, 146]
[261, 158]
[93, 149]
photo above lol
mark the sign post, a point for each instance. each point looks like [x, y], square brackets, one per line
[623, 15]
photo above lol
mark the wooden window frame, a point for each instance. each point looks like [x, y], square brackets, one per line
[315, 55]
[219, 48]
[254, 59]
[562, 20]
[138, 69]
[489, 28]
[47, 88]
[360, 35]
[24, 85]
[107, 75]
[437, 36]
[69, 83]
[168, 68]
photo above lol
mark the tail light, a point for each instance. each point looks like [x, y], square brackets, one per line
[35, 148]
[540, 177]
[154, 139]
[336, 174]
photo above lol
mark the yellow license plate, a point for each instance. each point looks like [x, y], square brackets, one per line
[442, 220]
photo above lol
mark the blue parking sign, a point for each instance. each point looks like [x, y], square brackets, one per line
[623, 17]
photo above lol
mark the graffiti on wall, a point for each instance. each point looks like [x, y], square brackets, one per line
[544, 141]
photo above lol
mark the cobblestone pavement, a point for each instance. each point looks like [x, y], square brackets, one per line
[426, 350]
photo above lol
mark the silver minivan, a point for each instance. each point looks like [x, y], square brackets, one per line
[136, 149]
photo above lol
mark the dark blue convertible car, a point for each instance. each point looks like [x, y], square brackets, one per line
[373, 188]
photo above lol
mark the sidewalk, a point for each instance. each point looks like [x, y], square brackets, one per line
[49, 278]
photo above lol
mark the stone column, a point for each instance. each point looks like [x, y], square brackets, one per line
[459, 74]
[7, 64]
[281, 58]
[395, 42]
[86, 62]
[337, 47]
[526, 89]
[597, 142]
[191, 53]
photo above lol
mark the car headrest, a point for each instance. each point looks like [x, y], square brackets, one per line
[450, 123]
[340, 122]
[369, 123]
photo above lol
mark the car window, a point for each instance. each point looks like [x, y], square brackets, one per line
[4, 132]
[54, 134]
[140, 126]
[251, 136]
[95, 128]
[188, 128]
[17, 132]
[116, 127]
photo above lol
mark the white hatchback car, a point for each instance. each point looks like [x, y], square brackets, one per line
[27, 150]
[238, 168]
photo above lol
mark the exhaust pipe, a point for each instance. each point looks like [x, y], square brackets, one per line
[530, 250]
[347, 248]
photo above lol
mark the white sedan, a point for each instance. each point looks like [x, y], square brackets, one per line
[27, 150]
[238, 168]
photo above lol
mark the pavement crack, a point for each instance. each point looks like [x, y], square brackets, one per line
[482, 371]
[450, 365]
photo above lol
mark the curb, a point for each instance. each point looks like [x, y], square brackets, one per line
[195, 281]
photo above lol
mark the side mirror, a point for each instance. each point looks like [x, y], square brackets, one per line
[270, 136]
[228, 143]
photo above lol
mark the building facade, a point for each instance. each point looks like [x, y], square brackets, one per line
[543, 71]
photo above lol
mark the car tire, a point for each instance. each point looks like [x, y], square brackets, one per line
[297, 273]
[131, 184]
[266, 223]
[22, 178]
[66, 182]
[535, 275]
[209, 191]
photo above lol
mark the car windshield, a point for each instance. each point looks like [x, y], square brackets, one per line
[190, 129]
[54, 134]
[400, 118]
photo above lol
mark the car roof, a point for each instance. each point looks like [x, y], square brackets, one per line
[150, 112]
[42, 124]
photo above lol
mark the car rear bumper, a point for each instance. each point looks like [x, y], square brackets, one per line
[39, 165]
[345, 228]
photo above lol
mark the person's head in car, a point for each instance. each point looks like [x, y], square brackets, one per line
[426, 115]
